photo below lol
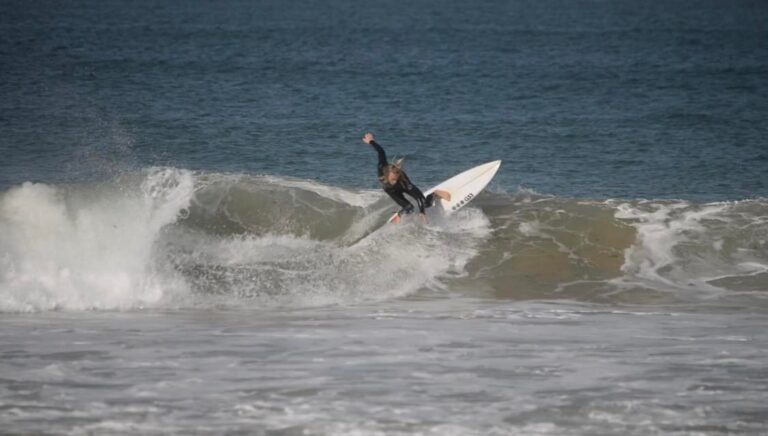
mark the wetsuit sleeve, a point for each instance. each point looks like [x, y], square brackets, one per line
[382, 156]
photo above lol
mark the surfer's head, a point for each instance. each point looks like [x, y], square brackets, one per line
[391, 174]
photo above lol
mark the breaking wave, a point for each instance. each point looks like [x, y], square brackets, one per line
[165, 237]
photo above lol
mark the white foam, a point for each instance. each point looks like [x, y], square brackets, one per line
[84, 248]
[530, 228]
[294, 271]
[680, 245]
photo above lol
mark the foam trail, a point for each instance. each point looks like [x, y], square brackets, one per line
[85, 248]
[296, 271]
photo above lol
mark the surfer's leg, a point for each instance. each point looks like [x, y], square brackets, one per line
[445, 195]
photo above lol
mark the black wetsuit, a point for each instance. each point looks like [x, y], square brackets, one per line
[403, 186]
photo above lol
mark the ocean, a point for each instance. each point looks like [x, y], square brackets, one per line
[192, 236]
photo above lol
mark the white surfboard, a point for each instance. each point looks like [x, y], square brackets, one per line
[463, 187]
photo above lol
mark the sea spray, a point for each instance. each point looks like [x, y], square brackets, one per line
[74, 247]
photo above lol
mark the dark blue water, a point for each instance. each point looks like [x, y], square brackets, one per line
[592, 99]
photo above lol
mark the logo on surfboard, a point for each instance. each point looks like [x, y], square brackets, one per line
[463, 201]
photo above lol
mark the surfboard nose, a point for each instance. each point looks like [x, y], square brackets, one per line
[492, 165]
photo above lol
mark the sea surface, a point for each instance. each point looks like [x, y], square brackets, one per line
[192, 238]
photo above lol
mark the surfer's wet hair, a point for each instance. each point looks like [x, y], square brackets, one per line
[394, 168]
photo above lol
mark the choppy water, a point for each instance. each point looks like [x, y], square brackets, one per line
[191, 239]
[409, 366]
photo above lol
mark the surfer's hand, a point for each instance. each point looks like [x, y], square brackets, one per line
[368, 138]
[423, 218]
[396, 219]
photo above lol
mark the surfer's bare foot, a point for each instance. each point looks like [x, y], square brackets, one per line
[423, 218]
[396, 219]
[445, 195]
[368, 138]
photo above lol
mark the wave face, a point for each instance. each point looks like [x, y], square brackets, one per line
[165, 237]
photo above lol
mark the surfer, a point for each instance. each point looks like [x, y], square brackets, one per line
[396, 183]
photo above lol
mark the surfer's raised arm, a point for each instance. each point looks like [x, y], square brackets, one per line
[368, 139]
